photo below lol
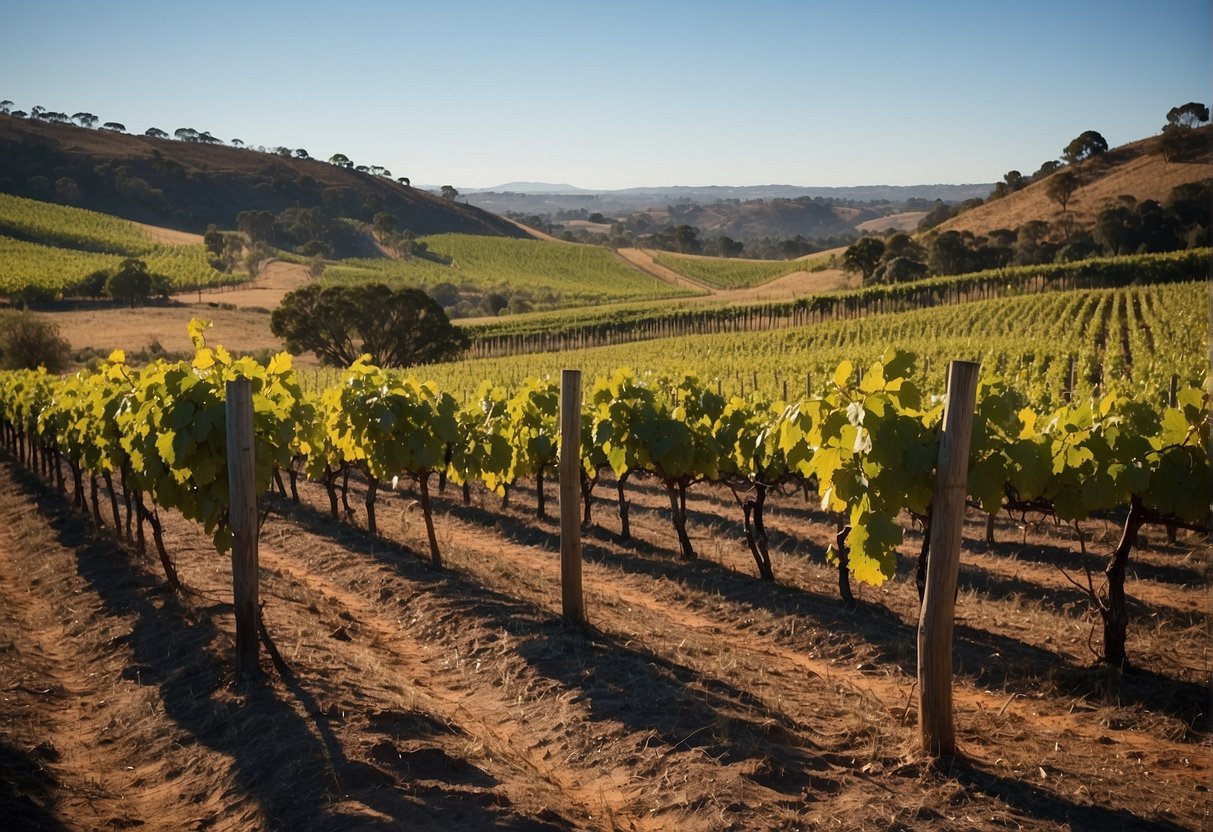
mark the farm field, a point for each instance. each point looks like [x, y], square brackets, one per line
[1131, 339]
[51, 248]
[67, 227]
[726, 273]
[556, 274]
[702, 698]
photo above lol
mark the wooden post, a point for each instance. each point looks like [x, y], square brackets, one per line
[939, 601]
[572, 600]
[242, 515]
[1173, 396]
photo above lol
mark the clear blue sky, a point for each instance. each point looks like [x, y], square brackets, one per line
[618, 94]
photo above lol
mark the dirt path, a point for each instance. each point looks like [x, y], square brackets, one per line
[640, 259]
[266, 291]
[702, 699]
[1015, 730]
[85, 720]
[786, 287]
[441, 688]
[785, 671]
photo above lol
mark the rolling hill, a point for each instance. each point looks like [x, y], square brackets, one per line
[1131, 169]
[186, 185]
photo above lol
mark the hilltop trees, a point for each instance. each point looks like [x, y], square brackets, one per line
[1011, 182]
[397, 328]
[1087, 145]
[1187, 116]
[1175, 140]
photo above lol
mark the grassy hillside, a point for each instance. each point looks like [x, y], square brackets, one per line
[35, 272]
[64, 226]
[47, 250]
[527, 273]
[726, 273]
[1131, 169]
[187, 185]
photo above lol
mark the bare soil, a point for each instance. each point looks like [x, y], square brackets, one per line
[700, 699]
[264, 292]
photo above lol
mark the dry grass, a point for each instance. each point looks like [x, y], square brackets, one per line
[1130, 169]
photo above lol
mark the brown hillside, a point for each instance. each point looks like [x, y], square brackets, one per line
[1130, 169]
[186, 185]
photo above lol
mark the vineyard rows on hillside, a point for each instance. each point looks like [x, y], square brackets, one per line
[726, 273]
[554, 274]
[575, 329]
[49, 250]
[73, 228]
[1132, 340]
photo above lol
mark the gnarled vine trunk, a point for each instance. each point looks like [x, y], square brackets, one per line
[1112, 607]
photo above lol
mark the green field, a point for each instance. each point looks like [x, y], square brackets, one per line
[1130, 339]
[60, 271]
[61, 226]
[724, 273]
[50, 249]
[554, 275]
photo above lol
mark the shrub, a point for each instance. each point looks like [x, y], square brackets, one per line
[27, 342]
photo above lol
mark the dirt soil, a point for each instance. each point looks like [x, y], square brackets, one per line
[264, 292]
[700, 699]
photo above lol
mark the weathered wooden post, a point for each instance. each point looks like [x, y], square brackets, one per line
[939, 600]
[242, 514]
[572, 600]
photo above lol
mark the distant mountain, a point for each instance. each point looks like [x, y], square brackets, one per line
[560, 202]
[529, 188]
[880, 193]
[644, 197]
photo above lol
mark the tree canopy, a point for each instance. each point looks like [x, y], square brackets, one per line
[863, 256]
[133, 284]
[1061, 187]
[1086, 146]
[398, 328]
[1187, 116]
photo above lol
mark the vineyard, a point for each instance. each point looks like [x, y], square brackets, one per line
[49, 250]
[866, 445]
[735, 480]
[625, 323]
[556, 274]
[1049, 347]
[722, 273]
[62, 226]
